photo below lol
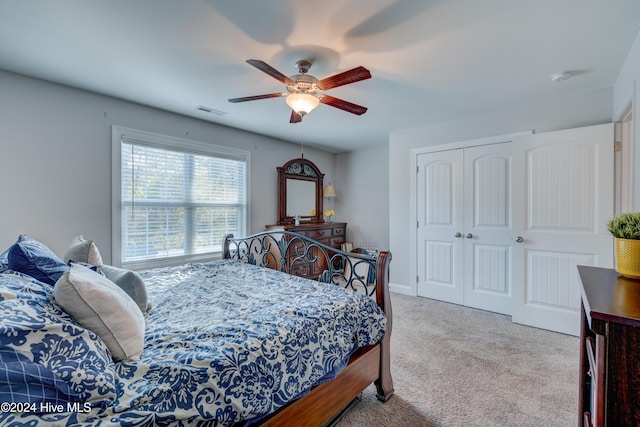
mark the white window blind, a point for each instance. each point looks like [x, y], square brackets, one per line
[176, 203]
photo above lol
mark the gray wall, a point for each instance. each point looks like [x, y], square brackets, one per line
[362, 187]
[55, 160]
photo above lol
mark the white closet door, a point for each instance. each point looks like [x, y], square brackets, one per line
[562, 200]
[487, 227]
[440, 220]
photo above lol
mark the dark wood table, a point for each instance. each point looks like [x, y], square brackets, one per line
[609, 388]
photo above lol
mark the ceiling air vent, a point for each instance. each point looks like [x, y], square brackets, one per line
[210, 110]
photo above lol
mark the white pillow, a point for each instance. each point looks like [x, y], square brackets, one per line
[130, 282]
[83, 250]
[99, 305]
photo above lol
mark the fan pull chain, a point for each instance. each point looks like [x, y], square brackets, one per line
[302, 139]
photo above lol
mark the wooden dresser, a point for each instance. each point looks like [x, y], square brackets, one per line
[329, 233]
[609, 388]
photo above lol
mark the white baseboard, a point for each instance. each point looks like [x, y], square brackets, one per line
[402, 289]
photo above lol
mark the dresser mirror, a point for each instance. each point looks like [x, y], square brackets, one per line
[299, 192]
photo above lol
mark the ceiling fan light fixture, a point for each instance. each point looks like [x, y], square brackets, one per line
[302, 103]
[305, 91]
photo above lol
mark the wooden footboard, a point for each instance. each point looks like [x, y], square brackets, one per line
[293, 253]
[327, 400]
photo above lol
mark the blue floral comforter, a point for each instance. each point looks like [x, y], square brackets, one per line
[225, 342]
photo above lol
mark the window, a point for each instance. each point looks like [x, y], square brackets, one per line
[176, 199]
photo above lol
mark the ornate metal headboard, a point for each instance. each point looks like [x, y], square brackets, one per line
[295, 254]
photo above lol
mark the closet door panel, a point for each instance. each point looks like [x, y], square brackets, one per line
[487, 227]
[564, 198]
[439, 213]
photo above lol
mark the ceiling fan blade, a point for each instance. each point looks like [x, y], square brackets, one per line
[345, 78]
[343, 105]
[256, 97]
[295, 117]
[264, 67]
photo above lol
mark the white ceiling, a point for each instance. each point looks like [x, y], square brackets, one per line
[431, 60]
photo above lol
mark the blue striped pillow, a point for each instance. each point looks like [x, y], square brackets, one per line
[31, 257]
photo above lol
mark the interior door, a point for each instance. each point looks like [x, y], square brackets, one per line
[440, 225]
[562, 200]
[487, 227]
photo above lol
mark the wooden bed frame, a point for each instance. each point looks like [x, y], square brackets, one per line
[294, 253]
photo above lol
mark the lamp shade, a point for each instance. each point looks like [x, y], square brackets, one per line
[329, 191]
[302, 103]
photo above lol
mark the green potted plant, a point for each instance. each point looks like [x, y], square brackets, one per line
[626, 230]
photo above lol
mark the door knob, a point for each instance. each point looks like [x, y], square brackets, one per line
[519, 239]
[468, 235]
[458, 235]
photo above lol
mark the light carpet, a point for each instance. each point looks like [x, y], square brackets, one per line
[458, 366]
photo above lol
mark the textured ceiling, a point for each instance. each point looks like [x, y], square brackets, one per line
[431, 60]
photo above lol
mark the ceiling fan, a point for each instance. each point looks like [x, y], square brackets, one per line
[304, 91]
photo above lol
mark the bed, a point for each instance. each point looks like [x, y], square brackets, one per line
[238, 341]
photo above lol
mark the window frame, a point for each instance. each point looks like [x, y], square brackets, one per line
[121, 134]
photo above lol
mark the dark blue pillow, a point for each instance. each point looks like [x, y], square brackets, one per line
[31, 257]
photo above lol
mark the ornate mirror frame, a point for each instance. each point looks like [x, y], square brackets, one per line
[304, 170]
